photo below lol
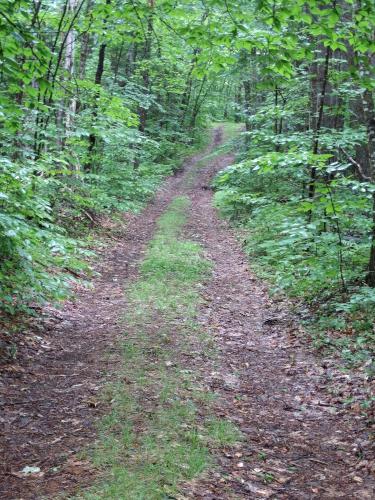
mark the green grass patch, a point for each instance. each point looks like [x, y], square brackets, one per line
[230, 129]
[155, 436]
[230, 138]
[223, 432]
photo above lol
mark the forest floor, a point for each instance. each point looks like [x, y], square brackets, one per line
[265, 405]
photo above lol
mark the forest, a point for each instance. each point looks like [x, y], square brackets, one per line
[199, 133]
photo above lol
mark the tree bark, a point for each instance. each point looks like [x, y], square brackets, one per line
[68, 115]
[369, 114]
[318, 125]
[98, 81]
[143, 111]
[247, 92]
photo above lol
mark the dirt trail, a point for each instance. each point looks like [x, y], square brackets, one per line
[297, 445]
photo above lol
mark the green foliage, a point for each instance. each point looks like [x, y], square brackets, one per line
[100, 101]
[41, 199]
[32, 245]
[53, 183]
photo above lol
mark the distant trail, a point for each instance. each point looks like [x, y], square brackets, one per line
[298, 444]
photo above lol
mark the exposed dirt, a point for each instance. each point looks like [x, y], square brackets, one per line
[298, 443]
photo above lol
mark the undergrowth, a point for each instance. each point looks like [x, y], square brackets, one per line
[155, 438]
[314, 251]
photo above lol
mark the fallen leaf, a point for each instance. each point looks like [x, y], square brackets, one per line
[30, 470]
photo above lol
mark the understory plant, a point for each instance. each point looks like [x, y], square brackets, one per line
[314, 250]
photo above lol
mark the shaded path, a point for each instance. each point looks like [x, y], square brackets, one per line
[297, 444]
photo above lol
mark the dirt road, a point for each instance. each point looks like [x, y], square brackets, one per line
[297, 442]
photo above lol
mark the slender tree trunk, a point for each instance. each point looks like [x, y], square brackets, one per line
[42, 121]
[318, 124]
[41, 118]
[227, 96]
[98, 81]
[85, 50]
[143, 111]
[239, 103]
[185, 100]
[368, 107]
[131, 59]
[370, 278]
[68, 111]
[369, 114]
[85, 47]
[247, 92]
[146, 57]
[19, 97]
[116, 67]
[276, 103]
[277, 123]
[197, 104]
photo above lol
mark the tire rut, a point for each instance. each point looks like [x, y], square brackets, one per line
[297, 443]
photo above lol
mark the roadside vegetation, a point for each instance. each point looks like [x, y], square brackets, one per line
[302, 187]
[102, 100]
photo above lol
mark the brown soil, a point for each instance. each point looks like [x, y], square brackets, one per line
[298, 440]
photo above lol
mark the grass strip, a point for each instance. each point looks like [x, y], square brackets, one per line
[156, 435]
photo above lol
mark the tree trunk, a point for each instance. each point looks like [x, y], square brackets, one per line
[370, 278]
[98, 82]
[69, 72]
[369, 114]
[247, 92]
[143, 111]
[85, 45]
[318, 125]
[197, 104]
[42, 121]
